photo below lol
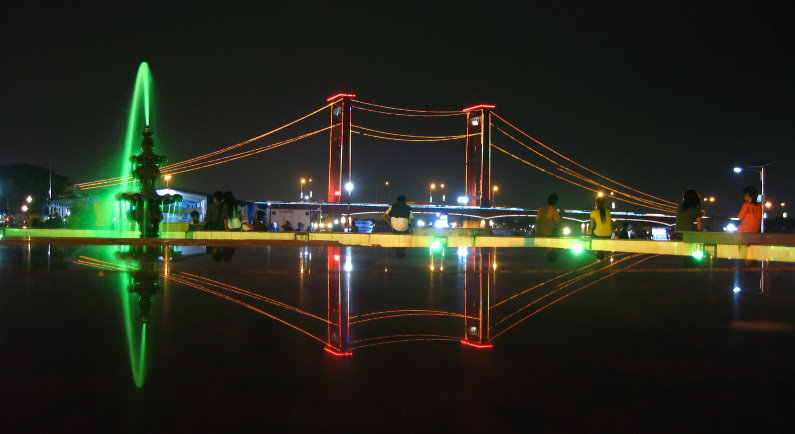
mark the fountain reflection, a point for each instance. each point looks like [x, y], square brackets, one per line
[139, 272]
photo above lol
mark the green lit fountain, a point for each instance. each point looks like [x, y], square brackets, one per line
[146, 205]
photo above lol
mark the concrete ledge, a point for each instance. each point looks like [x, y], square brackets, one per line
[735, 250]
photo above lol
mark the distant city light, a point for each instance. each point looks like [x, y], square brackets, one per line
[462, 199]
[29, 199]
[24, 208]
[349, 187]
[736, 289]
[738, 169]
[420, 224]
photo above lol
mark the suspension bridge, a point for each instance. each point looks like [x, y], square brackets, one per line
[483, 132]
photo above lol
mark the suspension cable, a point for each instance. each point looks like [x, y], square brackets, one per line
[432, 115]
[570, 181]
[578, 164]
[408, 110]
[581, 177]
[205, 156]
[224, 159]
[457, 136]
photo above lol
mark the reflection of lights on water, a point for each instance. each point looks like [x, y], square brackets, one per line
[348, 264]
[462, 251]
[577, 248]
[436, 245]
[494, 266]
[736, 289]
[566, 231]
[337, 258]
[432, 268]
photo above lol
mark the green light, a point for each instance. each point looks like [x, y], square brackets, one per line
[697, 255]
[436, 245]
[577, 248]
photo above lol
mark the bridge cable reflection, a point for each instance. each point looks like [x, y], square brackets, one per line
[563, 297]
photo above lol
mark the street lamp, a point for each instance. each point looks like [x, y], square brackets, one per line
[444, 198]
[761, 169]
[301, 183]
[29, 199]
[167, 178]
[388, 191]
[430, 192]
[24, 208]
[349, 189]
[495, 189]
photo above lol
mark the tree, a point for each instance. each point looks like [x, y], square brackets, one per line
[17, 181]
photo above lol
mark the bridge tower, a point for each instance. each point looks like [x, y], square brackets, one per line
[339, 293]
[478, 155]
[339, 158]
[478, 277]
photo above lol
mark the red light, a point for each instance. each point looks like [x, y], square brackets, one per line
[474, 345]
[479, 106]
[336, 353]
[341, 95]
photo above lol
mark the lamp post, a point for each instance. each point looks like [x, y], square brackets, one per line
[462, 200]
[301, 183]
[167, 178]
[444, 198]
[349, 189]
[431, 188]
[761, 169]
[495, 189]
[388, 190]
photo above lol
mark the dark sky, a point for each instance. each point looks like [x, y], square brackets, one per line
[662, 98]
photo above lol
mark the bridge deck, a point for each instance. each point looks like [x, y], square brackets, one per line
[719, 246]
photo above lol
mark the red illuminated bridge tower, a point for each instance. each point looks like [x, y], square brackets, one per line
[478, 155]
[339, 158]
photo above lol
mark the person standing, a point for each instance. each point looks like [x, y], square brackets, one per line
[750, 213]
[231, 213]
[601, 223]
[688, 216]
[213, 220]
[399, 216]
[548, 218]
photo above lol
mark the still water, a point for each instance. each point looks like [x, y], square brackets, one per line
[330, 338]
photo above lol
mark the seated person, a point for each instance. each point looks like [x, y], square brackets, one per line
[195, 224]
[399, 216]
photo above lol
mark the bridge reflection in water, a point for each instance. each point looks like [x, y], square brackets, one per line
[355, 298]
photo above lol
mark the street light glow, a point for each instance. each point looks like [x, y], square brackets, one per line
[462, 199]
[24, 208]
[738, 169]
[29, 199]
[349, 187]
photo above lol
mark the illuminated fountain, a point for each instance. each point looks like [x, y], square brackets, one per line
[146, 204]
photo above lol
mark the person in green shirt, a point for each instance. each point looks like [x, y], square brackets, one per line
[688, 216]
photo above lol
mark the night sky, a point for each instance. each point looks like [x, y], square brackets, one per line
[662, 98]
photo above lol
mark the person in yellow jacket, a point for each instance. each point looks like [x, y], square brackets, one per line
[601, 224]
